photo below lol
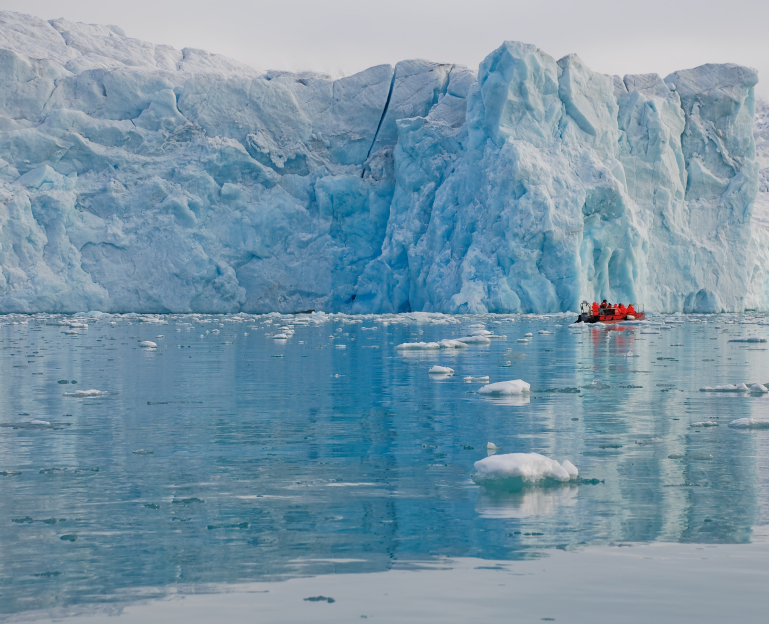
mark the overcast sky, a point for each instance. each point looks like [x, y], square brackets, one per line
[345, 36]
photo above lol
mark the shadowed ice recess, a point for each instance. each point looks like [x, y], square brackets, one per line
[223, 454]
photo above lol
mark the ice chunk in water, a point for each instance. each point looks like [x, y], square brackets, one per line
[443, 344]
[727, 388]
[148, 344]
[758, 388]
[491, 445]
[441, 370]
[44, 423]
[570, 468]
[750, 423]
[474, 340]
[280, 337]
[516, 470]
[84, 394]
[502, 388]
[704, 423]
[748, 339]
[481, 379]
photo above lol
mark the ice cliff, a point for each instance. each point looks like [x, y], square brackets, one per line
[137, 177]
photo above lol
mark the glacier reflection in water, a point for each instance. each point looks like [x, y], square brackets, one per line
[225, 454]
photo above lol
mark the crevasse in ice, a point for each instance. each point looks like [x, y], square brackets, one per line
[137, 177]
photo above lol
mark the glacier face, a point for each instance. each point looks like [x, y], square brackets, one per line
[136, 177]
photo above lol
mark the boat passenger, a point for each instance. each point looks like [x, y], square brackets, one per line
[595, 309]
[621, 309]
[630, 309]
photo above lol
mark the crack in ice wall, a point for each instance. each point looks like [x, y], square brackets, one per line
[136, 177]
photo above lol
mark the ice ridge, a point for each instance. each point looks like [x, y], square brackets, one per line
[137, 177]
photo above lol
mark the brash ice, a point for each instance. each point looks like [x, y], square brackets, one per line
[136, 177]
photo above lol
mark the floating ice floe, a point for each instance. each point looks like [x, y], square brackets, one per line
[748, 339]
[475, 340]
[544, 332]
[704, 423]
[280, 337]
[85, 394]
[750, 423]
[726, 388]
[481, 379]
[341, 346]
[481, 332]
[441, 370]
[43, 423]
[491, 446]
[148, 344]
[502, 388]
[517, 470]
[419, 346]
[528, 335]
[758, 388]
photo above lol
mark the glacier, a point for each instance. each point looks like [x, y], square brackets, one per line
[137, 177]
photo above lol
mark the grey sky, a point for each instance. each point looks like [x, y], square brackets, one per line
[344, 36]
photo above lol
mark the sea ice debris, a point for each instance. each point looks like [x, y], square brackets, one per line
[517, 470]
[750, 423]
[441, 370]
[502, 388]
[741, 387]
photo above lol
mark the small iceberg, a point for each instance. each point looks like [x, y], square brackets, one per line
[470, 379]
[481, 332]
[421, 346]
[515, 471]
[750, 423]
[505, 388]
[441, 370]
[42, 423]
[148, 344]
[86, 394]
[704, 423]
[474, 340]
[280, 337]
[758, 388]
[727, 388]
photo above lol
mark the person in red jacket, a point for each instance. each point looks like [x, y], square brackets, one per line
[595, 309]
[630, 309]
[621, 309]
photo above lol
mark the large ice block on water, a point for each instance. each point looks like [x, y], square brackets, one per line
[138, 177]
[522, 469]
[505, 388]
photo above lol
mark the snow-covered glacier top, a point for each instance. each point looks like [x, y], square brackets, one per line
[137, 177]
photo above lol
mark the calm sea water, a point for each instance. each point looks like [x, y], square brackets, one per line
[225, 455]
